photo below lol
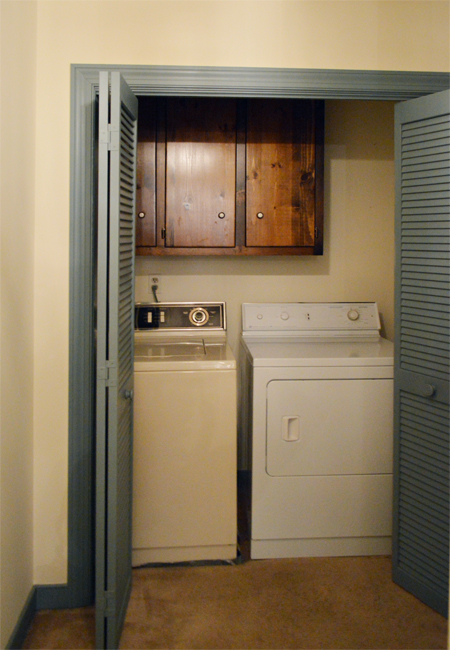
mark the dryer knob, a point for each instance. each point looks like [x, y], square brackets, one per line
[284, 315]
[353, 314]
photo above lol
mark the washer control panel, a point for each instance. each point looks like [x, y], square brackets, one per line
[310, 317]
[180, 316]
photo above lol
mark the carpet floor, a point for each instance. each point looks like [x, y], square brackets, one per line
[307, 603]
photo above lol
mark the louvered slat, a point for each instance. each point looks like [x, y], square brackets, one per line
[427, 457]
[125, 271]
[114, 561]
[125, 333]
[421, 546]
[422, 190]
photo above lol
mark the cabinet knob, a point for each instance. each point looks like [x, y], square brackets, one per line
[221, 215]
[260, 215]
[141, 215]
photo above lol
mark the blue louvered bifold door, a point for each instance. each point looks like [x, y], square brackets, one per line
[421, 470]
[115, 335]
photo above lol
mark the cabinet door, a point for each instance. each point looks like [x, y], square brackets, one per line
[201, 172]
[280, 174]
[146, 173]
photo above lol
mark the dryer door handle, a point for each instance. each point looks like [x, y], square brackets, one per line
[290, 428]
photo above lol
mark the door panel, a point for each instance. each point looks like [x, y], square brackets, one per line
[146, 173]
[188, 498]
[280, 175]
[329, 427]
[115, 335]
[201, 172]
[421, 476]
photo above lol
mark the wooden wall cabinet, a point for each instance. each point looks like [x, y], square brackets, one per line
[225, 176]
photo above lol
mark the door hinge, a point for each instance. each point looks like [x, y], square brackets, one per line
[108, 603]
[108, 374]
[114, 143]
[104, 136]
[111, 137]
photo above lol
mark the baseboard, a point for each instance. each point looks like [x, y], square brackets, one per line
[23, 624]
[53, 597]
[40, 597]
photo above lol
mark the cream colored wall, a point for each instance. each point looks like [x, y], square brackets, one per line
[356, 35]
[18, 72]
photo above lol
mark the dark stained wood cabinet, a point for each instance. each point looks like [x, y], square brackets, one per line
[200, 172]
[225, 176]
[280, 172]
[146, 174]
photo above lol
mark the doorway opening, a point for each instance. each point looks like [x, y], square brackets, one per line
[155, 80]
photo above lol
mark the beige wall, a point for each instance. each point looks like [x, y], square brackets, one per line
[18, 72]
[350, 34]
[386, 35]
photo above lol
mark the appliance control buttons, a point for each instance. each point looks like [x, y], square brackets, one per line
[353, 314]
[259, 316]
[284, 315]
[198, 316]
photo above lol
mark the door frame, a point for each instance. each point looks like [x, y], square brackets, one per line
[158, 80]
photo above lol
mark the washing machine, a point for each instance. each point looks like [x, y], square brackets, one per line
[316, 427]
[184, 456]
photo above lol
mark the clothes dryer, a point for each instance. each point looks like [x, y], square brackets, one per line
[317, 410]
[184, 457]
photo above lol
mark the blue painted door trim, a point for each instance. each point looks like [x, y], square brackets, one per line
[259, 82]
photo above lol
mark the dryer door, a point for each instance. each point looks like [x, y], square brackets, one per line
[329, 427]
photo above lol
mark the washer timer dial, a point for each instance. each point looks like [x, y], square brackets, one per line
[198, 316]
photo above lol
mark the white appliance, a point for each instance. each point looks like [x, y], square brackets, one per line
[184, 457]
[317, 414]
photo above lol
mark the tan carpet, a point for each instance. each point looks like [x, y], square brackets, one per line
[307, 603]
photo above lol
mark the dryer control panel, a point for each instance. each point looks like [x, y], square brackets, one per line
[311, 318]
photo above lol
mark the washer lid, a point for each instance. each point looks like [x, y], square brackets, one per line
[182, 354]
[323, 352]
